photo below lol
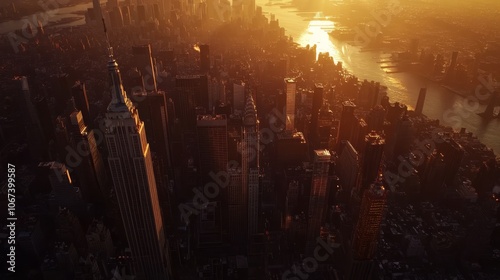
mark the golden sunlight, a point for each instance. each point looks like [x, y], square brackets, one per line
[317, 34]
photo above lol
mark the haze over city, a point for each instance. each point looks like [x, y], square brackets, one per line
[250, 139]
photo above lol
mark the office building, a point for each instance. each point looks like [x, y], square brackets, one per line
[237, 208]
[372, 157]
[91, 172]
[239, 96]
[153, 111]
[366, 232]
[79, 94]
[317, 197]
[212, 144]
[204, 58]
[348, 167]
[291, 92]
[134, 181]
[191, 92]
[347, 121]
[144, 62]
[323, 131]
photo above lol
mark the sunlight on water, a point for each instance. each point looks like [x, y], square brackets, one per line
[317, 34]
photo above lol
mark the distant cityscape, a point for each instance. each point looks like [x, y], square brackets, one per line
[168, 139]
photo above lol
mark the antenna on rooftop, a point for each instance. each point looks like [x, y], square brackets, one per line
[110, 49]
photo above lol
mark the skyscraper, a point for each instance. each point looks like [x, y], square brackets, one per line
[153, 111]
[238, 96]
[372, 156]
[91, 172]
[366, 232]
[368, 225]
[212, 141]
[79, 94]
[347, 120]
[134, 181]
[324, 127]
[250, 162]
[420, 102]
[317, 197]
[191, 91]
[348, 167]
[290, 90]
[204, 58]
[144, 63]
[316, 106]
[237, 208]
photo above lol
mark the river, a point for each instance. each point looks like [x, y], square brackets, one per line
[402, 87]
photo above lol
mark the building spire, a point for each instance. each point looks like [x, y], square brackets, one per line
[110, 49]
[250, 114]
[119, 101]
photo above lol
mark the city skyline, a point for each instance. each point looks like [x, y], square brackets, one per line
[249, 140]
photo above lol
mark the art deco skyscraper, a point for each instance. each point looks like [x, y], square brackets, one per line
[250, 162]
[134, 181]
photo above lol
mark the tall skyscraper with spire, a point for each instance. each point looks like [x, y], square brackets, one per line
[134, 181]
[250, 162]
